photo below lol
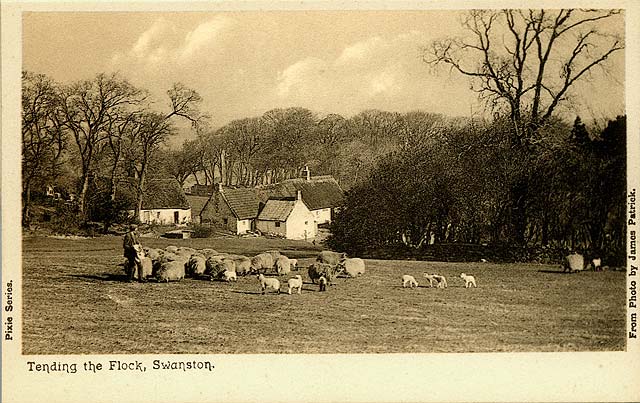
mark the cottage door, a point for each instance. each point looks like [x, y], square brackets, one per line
[176, 217]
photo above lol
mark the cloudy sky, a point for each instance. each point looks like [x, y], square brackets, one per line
[245, 63]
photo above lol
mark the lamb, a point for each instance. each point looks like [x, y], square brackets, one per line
[295, 283]
[468, 280]
[318, 270]
[330, 257]
[597, 264]
[322, 281]
[170, 271]
[442, 281]
[229, 276]
[430, 278]
[282, 265]
[409, 280]
[352, 267]
[196, 265]
[573, 262]
[263, 261]
[266, 282]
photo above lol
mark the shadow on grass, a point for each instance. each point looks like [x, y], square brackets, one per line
[248, 292]
[118, 278]
[554, 271]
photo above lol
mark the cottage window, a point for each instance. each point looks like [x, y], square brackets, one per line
[277, 224]
[225, 221]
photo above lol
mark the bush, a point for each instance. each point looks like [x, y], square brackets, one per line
[201, 231]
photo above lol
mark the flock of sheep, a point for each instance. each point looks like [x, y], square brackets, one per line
[175, 263]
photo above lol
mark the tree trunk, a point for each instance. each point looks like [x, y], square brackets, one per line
[26, 211]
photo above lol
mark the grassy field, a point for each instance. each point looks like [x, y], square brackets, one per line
[75, 302]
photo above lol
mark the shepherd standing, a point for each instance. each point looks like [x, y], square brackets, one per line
[132, 249]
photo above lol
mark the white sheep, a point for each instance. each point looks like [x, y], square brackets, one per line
[468, 280]
[352, 267]
[263, 261]
[322, 281]
[597, 264]
[269, 283]
[573, 262]
[441, 280]
[282, 265]
[409, 280]
[430, 278]
[229, 276]
[295, 283]
[170, 271]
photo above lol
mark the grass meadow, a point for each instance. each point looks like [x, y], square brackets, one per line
[75, 301]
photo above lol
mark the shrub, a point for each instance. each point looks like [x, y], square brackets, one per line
[201, 231]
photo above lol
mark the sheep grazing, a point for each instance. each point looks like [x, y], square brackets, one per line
[152, 253]
[322, 281]
[295, 283]
[229, 276]
[267, 282]
[294, 264]
[573, 263]
[352, 267]
[430, 278]
[171, 249]
[243, 265]
[441, 280]
[185, 251]
[409, 280]
[196, 266]
[216, 268]
[170, 271]
[282, 265]
[318, 270]
[263, 261]
[468, 280]
[330, 257]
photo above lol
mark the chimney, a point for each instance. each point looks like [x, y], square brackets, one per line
[299, 195]
[219, 187]
[306, 173]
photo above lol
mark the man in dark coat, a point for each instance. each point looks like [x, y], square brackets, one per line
[132, 248]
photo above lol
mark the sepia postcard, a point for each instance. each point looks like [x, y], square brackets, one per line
[320, 201]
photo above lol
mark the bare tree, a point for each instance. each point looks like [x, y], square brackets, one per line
[153, 129]
[43, 139]
[86, 108]
[525, 63]
[528, 60]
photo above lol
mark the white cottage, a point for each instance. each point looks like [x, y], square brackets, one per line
[321, 194]
[163, 202]
[287, 217]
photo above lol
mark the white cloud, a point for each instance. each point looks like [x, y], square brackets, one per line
[202, 36]
[383, 73]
